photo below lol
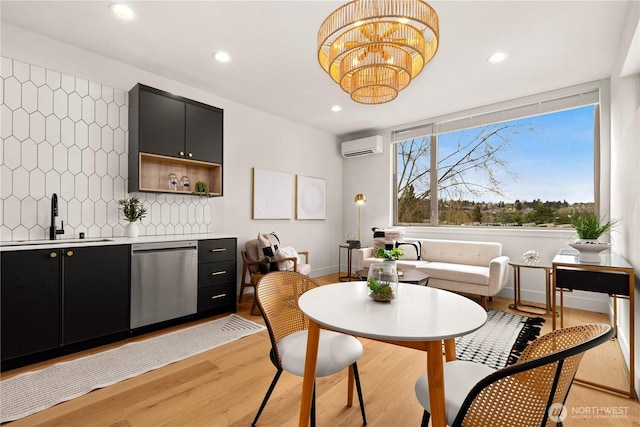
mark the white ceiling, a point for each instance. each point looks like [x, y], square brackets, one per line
[550, 44]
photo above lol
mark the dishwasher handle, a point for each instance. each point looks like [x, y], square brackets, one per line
[139, 248]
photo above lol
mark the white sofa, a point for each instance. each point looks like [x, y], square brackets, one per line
[476, 268]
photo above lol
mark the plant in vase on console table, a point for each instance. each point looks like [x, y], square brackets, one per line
[589, 227]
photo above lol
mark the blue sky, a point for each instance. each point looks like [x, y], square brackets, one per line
[553, 161]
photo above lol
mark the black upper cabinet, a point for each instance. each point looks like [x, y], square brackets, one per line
[162, 125]
[177, 127]
[203, 137]
[171, 134]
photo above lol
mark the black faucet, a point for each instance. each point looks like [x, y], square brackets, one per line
[53, 230]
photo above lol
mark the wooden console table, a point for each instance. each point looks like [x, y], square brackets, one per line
[613, 276]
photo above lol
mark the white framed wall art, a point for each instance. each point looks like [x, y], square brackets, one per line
[311, 197]
[272, 194]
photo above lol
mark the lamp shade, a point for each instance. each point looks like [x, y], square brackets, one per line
[360, 199]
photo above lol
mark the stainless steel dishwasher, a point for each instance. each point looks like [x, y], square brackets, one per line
[164, 281]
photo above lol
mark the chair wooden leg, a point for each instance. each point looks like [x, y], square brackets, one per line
[267, 396]
[483, 303]
[359, 389]
[254, 306]
[350, 387]
[241, 293]
[425, 419]
[313, 406]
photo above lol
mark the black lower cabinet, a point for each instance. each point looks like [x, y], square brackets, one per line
[95, 294]
[217, 264]
[30, 283]
[57, 301]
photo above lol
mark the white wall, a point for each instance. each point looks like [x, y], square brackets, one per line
[252, 138]
[625, 179]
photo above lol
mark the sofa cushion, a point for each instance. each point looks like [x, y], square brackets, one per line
[457, 272]
[411, 250]
[286, 252]
[386, 238]
[403, 264]
[460, 252]
[268, 244]
[254, 253]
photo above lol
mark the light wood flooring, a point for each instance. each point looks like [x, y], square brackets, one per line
[225, 386]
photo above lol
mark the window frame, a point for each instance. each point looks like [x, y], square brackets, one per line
[591, 93]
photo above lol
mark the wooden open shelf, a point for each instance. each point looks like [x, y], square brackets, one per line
[154, 173]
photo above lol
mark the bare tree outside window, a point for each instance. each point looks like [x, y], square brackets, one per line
[499, 174]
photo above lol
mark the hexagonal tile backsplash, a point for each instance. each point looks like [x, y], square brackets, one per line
[66, 135]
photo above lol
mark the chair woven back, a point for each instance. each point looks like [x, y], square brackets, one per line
[277, 296]
[521, 394]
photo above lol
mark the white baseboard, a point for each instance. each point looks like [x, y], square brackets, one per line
[588, 301]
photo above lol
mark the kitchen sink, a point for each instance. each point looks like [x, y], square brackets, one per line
[53, 242]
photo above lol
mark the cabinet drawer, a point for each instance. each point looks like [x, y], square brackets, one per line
[210, 273]
[215, 296]
[216, 249]
[593, 281]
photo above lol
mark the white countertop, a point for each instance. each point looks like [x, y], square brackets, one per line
[104, 241]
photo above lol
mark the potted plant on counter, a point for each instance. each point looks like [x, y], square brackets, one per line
[133, 211]
[589, 227]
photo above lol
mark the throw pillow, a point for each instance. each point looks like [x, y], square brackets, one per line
[386, 238]
[378, 239]
[411, 250]
[286, 252]
[268, 244]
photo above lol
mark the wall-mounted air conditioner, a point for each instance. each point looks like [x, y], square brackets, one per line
[362, 147]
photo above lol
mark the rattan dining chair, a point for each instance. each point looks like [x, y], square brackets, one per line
[530, 392]
[277, 296]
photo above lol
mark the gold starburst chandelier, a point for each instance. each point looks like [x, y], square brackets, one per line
[373, 48]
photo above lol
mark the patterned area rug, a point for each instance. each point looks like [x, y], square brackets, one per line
[31, 392]
[500, 341]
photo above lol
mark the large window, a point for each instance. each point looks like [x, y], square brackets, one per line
[513, 167]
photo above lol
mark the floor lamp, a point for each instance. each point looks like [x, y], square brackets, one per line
[359, 200]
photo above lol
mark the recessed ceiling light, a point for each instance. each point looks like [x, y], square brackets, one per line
[497, 57]
[221, 56]
[122, 11]
[336, 108]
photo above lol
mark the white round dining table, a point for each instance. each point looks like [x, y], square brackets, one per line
[419, 317]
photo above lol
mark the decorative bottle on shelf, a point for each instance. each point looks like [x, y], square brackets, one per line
[186, 186]
[173, 181]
